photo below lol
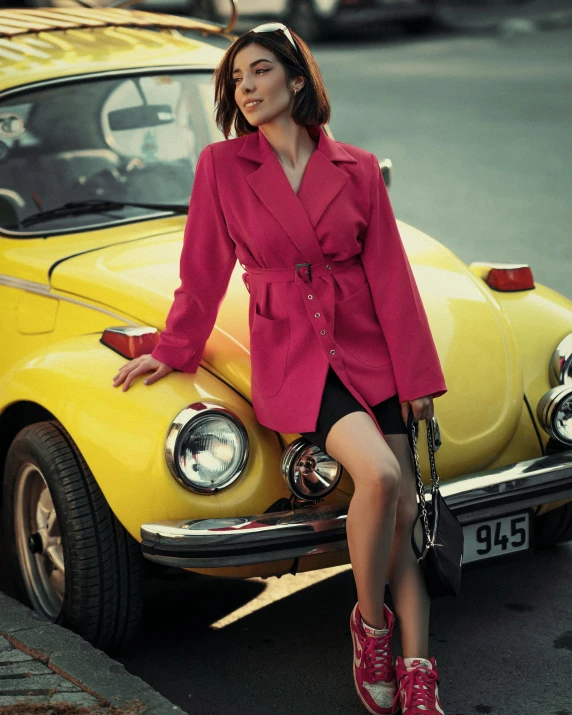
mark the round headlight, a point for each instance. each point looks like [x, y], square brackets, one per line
[560, 368]
[554, 411]
[206, 448]
[309, 473]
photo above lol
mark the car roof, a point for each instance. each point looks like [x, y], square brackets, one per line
[49, 43]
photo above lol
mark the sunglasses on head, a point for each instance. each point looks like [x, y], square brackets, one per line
[275, 27]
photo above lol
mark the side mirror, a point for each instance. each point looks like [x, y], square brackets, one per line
[386, 168]
[141, 117]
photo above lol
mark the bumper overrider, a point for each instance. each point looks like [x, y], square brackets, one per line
[318, 528]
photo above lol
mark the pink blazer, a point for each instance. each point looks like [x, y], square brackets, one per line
[358, 309]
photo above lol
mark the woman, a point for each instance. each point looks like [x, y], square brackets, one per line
[336, 322]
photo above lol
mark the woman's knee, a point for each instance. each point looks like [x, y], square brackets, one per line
[382, 478]
[355, 442]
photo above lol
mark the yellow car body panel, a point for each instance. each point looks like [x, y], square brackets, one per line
[30, 259]
[122, 435]
[540, 319]
[82, 51]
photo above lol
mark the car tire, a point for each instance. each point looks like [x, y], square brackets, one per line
[554, 527]
[56, 520]
[304, 20]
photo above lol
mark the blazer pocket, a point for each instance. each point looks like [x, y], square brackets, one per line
[358, 331]
[269, 343]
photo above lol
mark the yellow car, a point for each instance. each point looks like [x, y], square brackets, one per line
[103, 114]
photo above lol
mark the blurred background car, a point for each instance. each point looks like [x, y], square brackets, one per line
[312, 19]
[315, 19]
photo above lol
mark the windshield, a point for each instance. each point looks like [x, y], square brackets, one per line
[124, 139]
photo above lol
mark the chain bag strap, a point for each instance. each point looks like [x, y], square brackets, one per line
[441, 554]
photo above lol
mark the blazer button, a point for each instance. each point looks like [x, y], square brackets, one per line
[316, 315]
[310, 297]
[332, 352]
[322, 332]
[329, 268]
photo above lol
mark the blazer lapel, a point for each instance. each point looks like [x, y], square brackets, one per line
[321, 183]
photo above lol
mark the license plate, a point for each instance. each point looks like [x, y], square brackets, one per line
[496, 537]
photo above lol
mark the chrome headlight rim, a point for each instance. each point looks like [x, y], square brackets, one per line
[547, 410]
[560, 367]
[292, 454]
[182, 423]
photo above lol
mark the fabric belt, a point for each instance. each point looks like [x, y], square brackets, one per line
[307, 271]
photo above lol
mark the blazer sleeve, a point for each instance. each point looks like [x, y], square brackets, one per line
[397, 301]
[207, 261]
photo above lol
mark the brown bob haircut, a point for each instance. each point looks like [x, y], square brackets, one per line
[311, 104]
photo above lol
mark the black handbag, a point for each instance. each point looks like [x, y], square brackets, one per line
[441, 554]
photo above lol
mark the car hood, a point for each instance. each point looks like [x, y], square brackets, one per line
[474, 339]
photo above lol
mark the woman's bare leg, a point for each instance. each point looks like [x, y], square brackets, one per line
[412, 603]
[356, 443]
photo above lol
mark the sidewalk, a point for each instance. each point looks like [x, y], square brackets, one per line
[506, 16]
[48, 670]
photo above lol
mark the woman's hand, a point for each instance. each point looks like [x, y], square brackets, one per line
[422, 409]
[139, 366]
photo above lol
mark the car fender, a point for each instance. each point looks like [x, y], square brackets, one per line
[121, 434]
[540, 318]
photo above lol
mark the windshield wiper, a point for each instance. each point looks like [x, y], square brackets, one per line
[76, 208]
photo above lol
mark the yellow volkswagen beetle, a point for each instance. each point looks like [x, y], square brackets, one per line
[103, 114]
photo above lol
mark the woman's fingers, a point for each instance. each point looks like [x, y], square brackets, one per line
[160, 372]
[431, 410]
[141, 370]
[422, 408]
[118, 379]
[124, 371]
[139, 366]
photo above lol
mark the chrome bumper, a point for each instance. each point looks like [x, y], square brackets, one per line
[314, 529]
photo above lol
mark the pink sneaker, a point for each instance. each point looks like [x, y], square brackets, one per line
[418, 686]
[374, 674]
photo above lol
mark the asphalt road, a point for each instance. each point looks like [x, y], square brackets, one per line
[478, 130]
[217, 647]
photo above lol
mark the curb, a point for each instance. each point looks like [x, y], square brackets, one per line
[69, 655]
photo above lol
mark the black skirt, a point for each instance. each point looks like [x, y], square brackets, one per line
[338, 401]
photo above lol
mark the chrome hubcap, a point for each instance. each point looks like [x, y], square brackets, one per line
[39, 542]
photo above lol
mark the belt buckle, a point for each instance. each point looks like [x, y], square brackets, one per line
[299, 265]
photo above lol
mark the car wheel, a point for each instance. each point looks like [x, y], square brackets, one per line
[69, 557]
[302, 18]
[553, 527]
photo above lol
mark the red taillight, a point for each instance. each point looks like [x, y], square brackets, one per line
[505, 277]
[130, 342]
